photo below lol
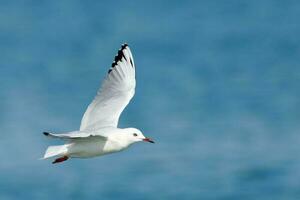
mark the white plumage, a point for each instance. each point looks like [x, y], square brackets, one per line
[98, 134]
[114, 94]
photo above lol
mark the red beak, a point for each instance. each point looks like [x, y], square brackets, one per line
[148, 140]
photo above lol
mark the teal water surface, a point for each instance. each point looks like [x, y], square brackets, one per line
[217, 88]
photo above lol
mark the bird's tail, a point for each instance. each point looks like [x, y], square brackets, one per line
[55, 151]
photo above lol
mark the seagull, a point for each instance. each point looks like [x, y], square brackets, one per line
[99, 133]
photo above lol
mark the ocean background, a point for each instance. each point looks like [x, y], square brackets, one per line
[217, 89]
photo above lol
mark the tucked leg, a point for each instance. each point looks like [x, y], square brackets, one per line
[60, 159]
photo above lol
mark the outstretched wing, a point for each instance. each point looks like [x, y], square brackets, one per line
[73, 135]
[114, 94]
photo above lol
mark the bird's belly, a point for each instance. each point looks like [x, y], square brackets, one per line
[87, 149]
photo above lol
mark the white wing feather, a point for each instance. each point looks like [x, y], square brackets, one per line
[74, 135]
[114, 94]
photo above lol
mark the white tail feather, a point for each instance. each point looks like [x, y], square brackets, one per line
[55, 151]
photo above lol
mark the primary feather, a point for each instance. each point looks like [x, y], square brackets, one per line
[114, 94]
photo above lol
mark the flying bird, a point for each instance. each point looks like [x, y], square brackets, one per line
[99, 133]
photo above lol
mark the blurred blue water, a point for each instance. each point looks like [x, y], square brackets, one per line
[217, 88]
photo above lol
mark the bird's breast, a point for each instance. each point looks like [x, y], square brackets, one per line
[92, 148]
[113, 146]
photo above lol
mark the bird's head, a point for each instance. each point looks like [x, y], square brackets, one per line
[135, 135]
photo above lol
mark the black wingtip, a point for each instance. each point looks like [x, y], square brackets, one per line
[46, 133]
[119, 56]
[113, 64]
[124, 45]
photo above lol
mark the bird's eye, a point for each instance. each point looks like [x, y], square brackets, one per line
[134, 134]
